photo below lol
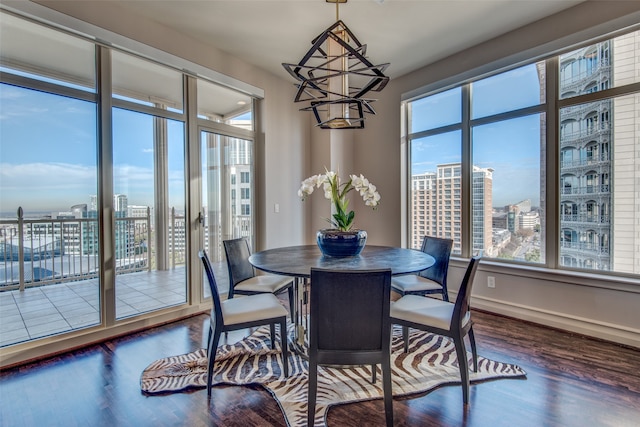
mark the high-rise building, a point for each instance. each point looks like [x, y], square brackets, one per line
[625, 234]
[120, 203]
[585, 160]
[448, 198]
[482, 199]
[598, 154]
[437, 198]
[423, 207]
[529, 220]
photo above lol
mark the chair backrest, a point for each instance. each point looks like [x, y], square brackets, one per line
[349, 313]
[216, 310]
[237, 253]
[461, 307]
[440, 249]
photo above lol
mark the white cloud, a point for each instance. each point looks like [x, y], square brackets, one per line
[46, 186]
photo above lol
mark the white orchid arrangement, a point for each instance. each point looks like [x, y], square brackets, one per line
[336, 191]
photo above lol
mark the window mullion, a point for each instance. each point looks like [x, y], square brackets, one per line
[106, 215]
[467, 174]
[550, 156]
[194, 214]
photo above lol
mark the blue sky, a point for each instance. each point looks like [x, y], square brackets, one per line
[511, 148]
[48, 153]
[133, 158]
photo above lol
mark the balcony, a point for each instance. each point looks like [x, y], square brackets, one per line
[586, 190]
[599, 163]
[49, 274]
[599, 73]
[37, 252]
[585, 219]
[57, 308]
[584, 249]
[584, 136]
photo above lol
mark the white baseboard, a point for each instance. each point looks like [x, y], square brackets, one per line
[602, 330]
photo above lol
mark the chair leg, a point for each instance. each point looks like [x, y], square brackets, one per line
[211, 354]
[445, 294]
[312, 390]
[463, 363]
[386, 387]
[272, 328]
[291, 302]
[474, 351]
[405, 338]
[284, 342]
[373, 374]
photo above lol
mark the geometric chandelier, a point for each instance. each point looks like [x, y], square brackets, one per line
[334, 77]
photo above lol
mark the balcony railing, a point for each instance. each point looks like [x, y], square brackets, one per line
[585, 135]
[584, 248]
[37, 252]
[576, 83]
[591, 161]
[587, 189]
[591, 219]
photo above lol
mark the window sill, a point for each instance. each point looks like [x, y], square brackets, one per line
[577, 278]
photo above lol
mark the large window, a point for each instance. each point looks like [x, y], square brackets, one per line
[506, 189]
[93, 189]
[48, 169]
[149, 204]
[501, 122]
[148, 186]
[505, 140]
[436, 188]
[599, 177]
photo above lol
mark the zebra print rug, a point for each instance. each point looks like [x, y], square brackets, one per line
[430, 362]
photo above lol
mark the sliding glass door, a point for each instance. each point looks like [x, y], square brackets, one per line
[227, 196]
[49, 265]
[149, 200]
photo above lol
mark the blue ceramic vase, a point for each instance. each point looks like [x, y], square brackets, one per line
[338, 243]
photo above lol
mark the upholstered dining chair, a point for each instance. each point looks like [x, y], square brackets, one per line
[242, 276]
[433, 280]
[443, 318]
[239, 313]
[349, 325]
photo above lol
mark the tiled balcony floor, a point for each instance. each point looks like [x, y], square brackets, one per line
[47, 310]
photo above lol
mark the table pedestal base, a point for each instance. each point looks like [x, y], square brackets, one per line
[299, 337]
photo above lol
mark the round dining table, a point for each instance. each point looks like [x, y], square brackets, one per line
[297, 261]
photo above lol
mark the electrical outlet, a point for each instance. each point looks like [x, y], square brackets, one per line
[491, 281]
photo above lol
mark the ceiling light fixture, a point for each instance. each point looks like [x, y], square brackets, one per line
[334, 77]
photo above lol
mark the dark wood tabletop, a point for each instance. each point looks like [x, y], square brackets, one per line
[297, 261]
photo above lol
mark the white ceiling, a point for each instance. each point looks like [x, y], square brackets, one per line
[407, 33]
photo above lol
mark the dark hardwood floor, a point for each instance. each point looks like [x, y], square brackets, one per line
[571, 381]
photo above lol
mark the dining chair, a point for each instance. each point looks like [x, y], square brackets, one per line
[240, 313]
[349, 325]
[242, 276]
[443, 318]
[433, 280]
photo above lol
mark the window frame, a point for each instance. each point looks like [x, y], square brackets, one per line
[551, 107]
[102, 96]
